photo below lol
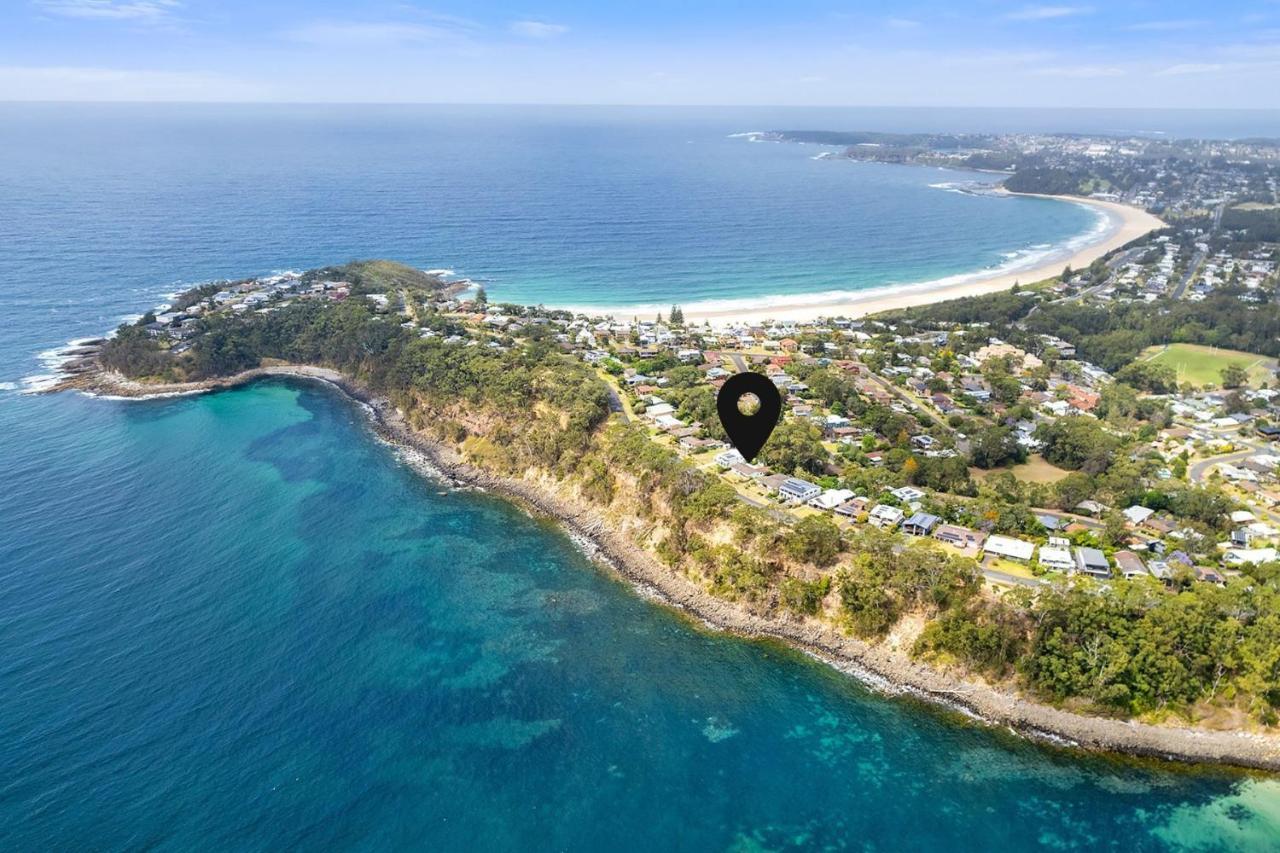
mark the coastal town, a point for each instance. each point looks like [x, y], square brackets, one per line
[1194, 178]
[942, 429]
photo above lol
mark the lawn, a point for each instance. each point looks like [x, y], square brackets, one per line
[1009, 567]
[1035, 470]
[1202, 366]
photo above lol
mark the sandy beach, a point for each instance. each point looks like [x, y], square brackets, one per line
[1127, 223]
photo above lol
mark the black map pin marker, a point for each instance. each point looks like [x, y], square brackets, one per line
[748, 432]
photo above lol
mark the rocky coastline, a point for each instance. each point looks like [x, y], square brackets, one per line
[882, 668]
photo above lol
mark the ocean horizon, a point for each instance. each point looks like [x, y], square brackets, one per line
[604, 209]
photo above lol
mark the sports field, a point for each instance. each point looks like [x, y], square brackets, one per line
[1202, 366]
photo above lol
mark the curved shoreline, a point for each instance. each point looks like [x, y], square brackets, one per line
[879, 667]
[1128, 223]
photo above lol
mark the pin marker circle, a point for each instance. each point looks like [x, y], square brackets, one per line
[748, 432]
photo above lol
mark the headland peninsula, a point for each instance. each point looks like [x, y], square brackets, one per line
[1001, 503]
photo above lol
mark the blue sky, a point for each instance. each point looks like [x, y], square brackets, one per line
[976, 53]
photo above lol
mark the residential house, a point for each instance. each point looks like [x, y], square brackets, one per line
[1240, 556]
[729, 458]
[1010, 548]
[1158, 525]
[1091, 561]
[1135, 515]
[1057, 555]
[830, 499]
[853, 508]
[885, 516]
[1131, 565]
[920, 524]
[907, 494]
[960, 537]
[798, 491]
[1208, 575]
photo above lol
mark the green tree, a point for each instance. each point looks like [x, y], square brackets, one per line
[1079, 443]
[795, 447]
[814, 539]
[1234, 375]
[994, 447]
[803, 596]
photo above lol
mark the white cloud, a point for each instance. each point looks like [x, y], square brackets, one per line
[1080, 72]
[370, 33]
[538, 29]
[1163, 26]
[72, 83]
[1190, 68]
[120, 10]
[901, 23]
[1046, 13]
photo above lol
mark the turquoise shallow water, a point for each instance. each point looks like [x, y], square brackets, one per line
[238, 621]
[247, 624]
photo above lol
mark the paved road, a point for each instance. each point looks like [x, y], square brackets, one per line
[1069, 518]
[1112, 263]
[1197, 471]
[615, 404]
[1017, 580]
[739, 363]
[1192, 268]
[779, 514]
[907, 400]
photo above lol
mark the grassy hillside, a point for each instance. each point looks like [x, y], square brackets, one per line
[378, 276]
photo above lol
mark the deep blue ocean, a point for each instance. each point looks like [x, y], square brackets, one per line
[239, 621]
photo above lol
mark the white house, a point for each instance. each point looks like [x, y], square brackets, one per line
[1057, 555]
[885, 516]
[1010, 548]
[1240, 556]
[831, 498]
[1137, 514]
[729, 458]
[797, 490]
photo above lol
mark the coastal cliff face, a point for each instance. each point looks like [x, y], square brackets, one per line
[618, 532]
[519, 416]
